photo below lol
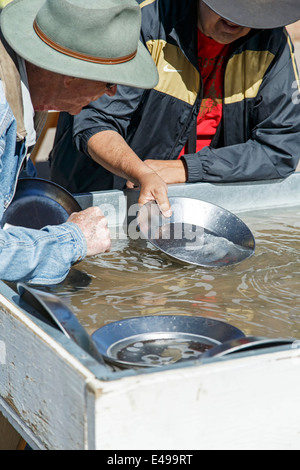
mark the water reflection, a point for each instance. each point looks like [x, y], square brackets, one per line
[261, 295]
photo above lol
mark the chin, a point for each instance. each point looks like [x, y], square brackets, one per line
[225, 39]
[73, 112]
[47, 108]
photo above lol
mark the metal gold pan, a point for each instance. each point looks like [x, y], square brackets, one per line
[247, 345]
[160, 340]
[198, 232]
[37, 203]
[57, 314]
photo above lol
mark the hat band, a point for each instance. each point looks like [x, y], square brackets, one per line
[79, 55]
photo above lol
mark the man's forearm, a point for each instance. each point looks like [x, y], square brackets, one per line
[110, 150]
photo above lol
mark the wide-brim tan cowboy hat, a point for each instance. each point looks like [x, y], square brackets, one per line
[94, 39]
[258, 14]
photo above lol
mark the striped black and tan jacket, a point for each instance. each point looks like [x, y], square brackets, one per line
[259, 135]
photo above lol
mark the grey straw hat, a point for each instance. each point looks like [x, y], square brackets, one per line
[91, 39]
[258, 14]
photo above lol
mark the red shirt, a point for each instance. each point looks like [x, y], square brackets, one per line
[211, 60]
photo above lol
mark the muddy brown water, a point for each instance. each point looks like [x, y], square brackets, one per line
[260, 295]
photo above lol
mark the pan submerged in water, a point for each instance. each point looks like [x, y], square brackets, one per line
[148, 341]
[198, 232]
[160, 340]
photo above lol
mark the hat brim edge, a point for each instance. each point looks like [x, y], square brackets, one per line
[139, 72]
[263, 21]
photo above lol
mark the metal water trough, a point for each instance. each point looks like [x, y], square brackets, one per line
[57, 396]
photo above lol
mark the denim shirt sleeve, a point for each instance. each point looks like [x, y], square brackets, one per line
[40, 256]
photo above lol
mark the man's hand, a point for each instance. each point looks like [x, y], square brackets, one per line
[152, 187]
[110, 150]
[93, 225]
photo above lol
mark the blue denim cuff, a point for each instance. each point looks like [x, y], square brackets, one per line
[79, 241]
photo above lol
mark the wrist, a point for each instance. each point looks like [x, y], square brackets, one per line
[142, 173]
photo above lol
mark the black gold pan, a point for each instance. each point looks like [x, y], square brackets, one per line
[38, 203]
